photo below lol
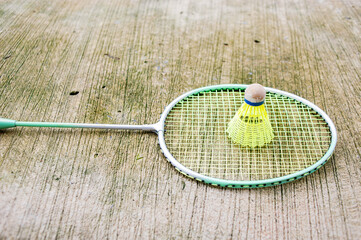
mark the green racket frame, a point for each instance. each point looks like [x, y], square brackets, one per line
[245, 184]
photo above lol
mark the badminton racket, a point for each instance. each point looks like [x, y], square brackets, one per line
[192, 136]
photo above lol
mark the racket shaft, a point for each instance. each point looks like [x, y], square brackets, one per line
[86, 125]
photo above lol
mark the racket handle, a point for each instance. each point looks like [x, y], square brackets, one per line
[8, 123]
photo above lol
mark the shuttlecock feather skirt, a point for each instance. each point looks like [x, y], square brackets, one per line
[250, 126]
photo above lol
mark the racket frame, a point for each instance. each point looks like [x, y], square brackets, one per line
[243, 184]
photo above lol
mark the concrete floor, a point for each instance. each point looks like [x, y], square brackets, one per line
[123, 62]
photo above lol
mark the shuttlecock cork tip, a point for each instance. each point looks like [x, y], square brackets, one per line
[255, 93]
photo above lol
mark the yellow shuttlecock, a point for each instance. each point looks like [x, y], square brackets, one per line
[251, 126]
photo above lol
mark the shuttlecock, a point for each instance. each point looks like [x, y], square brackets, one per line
[251, 126]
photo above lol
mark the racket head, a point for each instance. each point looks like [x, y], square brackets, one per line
[242, 182]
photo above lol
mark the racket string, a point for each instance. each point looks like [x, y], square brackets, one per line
[195, 136]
